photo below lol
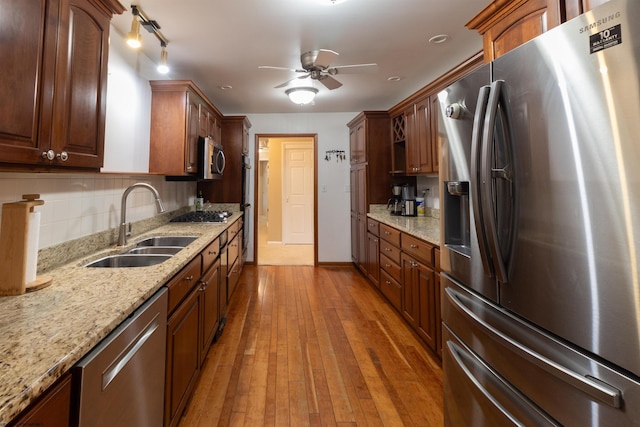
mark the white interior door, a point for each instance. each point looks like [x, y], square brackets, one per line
[297, 183]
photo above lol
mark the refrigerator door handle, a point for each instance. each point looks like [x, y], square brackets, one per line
[486, 181]
[476, 204]
[592, 386]
[533, 416]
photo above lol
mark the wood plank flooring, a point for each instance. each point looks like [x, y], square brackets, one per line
[319, 347]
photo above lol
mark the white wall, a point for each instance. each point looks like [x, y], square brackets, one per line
[128, 115]
[334, 236]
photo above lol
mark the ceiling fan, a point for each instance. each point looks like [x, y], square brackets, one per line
[317, 65]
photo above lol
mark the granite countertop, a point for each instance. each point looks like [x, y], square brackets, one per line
[46, 332]
[422, 227]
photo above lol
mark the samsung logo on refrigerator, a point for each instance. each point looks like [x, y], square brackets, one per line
[600, 22]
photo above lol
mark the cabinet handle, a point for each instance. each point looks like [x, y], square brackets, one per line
[188, 278]
[64, 156]
[213, 253]
[387, 249]
[49, 155]
[413, 246]
[387, 282]
[387, 265]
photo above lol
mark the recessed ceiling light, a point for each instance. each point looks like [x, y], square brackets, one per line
[394, 78]
[225, 87]
[440, 38]
[330, 2]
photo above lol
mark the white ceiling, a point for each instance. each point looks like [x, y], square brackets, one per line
[217, 43]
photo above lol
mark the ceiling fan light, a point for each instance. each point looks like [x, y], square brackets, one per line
[301, 95]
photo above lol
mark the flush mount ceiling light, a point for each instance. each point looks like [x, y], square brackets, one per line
[301, 95]
[163, 68]
[440, 38]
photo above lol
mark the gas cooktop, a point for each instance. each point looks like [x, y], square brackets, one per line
[203, 216]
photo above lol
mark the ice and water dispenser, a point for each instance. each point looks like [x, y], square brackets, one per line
[457, 227]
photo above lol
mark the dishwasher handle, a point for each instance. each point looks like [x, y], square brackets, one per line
[130, 352]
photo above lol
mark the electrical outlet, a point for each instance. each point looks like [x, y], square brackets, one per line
[347, 188]
[323, 188]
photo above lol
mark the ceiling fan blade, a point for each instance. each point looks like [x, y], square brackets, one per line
[269, 67]
[289, 81]
[329, 82]
[324, 58]
[353, 69]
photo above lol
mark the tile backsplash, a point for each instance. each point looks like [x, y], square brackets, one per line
[77, 205]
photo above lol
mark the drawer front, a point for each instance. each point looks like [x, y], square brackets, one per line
[233, 229]
[391, 289]
[233, 250]
[391, 268]
[183, 282]
[436, 258]
[419, 249]
[390, 234]
[373, 226]
[210, 254]
[390, 251]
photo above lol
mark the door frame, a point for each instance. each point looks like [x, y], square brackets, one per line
[256, 154]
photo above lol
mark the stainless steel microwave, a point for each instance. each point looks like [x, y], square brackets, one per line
[211, 159]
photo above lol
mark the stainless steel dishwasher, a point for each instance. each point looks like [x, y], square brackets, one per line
[121, 381]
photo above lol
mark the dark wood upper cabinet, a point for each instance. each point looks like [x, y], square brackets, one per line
[54, 81]
[506, 24]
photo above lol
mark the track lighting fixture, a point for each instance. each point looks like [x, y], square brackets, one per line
[163, 68]
[140, 18]
[133, 38]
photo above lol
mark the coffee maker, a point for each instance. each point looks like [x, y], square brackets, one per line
[395, 202]
[408, 204]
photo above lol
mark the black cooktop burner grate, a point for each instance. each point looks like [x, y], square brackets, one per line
[203, 216]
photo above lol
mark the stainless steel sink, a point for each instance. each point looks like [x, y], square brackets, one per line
[180, 241]
[129, 260]
[166, 250]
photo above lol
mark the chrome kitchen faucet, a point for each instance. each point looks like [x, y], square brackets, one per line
[122, 236]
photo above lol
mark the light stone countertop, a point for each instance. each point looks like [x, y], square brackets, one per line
[44, 333]
[422, 227]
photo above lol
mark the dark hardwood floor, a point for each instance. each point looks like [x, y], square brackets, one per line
[315, 346]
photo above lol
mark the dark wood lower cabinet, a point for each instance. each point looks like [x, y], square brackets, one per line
[373, 259]
[183, 356]
[53, 408]
[210, 297]
[419, 299]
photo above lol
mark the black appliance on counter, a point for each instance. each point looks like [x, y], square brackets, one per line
[394, 205]
[408, 205]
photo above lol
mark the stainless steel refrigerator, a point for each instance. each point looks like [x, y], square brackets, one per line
[540, 199]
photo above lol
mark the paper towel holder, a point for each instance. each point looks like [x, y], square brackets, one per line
[13, 247]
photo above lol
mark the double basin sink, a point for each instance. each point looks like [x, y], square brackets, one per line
[148, 252]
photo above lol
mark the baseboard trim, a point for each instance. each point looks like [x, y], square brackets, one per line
[335, 264]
